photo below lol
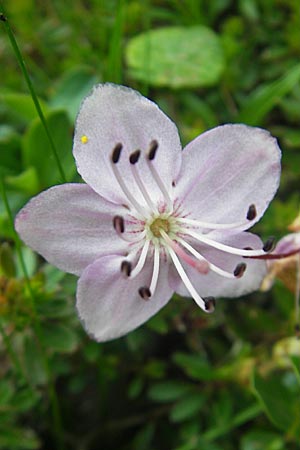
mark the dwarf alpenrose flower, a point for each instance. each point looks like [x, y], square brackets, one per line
[153, 219]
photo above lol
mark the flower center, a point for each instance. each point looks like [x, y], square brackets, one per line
[158, 225]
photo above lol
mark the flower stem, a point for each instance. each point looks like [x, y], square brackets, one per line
[55, 409]
[34, 97]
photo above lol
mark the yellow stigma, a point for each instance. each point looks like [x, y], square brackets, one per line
[84, 139]
[158, 225]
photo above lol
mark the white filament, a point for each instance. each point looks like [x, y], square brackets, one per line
[142, 188]
[223, 247]
[127, 193]
[141, 261]
[155, 273]
[197, 255]
[160, 184]
[186, 280]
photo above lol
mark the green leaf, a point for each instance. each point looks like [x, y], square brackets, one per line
[176, 57]
[37, 150]
[262, 440]
[71, 90]
[54, 308]
[168, 391]
[9, 150]
[6, 392]
[26, 181]
[34, 362]
[22, 106]
[24, 400]
[13, 438]
[279, 402]
[59, 338]
[194, 366]
[7, 262]
[267, 96]
[295, 360]
[187, 407]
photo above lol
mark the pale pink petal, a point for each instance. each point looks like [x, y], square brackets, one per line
[227, 169]
[216, 285]
[114, 114]
[287, 244]
[109, 304]
[70, 226]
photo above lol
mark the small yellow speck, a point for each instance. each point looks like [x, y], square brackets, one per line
[84, 139]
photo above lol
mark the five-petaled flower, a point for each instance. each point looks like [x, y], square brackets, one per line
[153, 219]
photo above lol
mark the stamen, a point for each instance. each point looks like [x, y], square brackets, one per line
[152, 149]
[198, 255]
[239, 270]
[133, 158]
[186, 280]
[141, 261]
[251, 214]
[223, 247]
[210, 304]
[126, 268]
[114, 160]
[116, 153]
[144, 292]
[201, 265]
[269, 244]
[155, 273]
[118, 223]
[159, 182]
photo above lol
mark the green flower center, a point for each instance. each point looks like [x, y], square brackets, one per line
[158, 225]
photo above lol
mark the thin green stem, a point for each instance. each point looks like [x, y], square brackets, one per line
[115, 49]
[55, 409]
[34, 97]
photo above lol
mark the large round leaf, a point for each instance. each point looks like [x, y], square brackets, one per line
[176, 57]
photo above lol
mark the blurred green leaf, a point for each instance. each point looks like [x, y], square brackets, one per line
[7, 262]
[296, 366]
[71, 90]
[34, 361]
[176, 57]
[15, 438]
[26, 181]
[30, 259]
[187, 407]
[265, 97]
[168, 391]
[262, 440]
[54, 308]
[10, 143]
[22, 106]
[281, 405]
[194, 365]
[59, 338]
[24, 400]
[6, 392]
[37, 151]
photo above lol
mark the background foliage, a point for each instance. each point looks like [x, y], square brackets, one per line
[184, 380]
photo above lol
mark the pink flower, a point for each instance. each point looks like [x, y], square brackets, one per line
[153, 219]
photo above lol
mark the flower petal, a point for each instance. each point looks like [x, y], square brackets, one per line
[114, 114]
[227, 169]
[70, 226]
[109, 304]
[216, 285]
